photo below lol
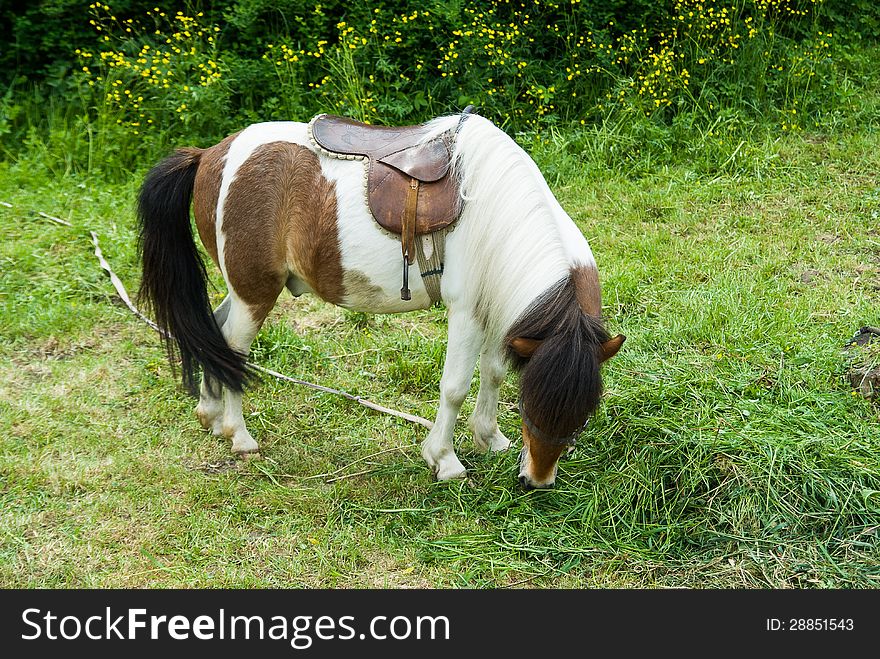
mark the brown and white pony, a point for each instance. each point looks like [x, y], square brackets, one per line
[520, 282]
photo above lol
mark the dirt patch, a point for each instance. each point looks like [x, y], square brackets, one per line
[54, 348]
[868, 275]
[864, 352]
[390, 572]
[307, 313]
[866, 381]
[101, 339]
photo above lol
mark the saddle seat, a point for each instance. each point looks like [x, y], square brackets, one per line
[410, 191]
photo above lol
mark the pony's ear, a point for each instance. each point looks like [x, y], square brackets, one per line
[608, 349]
[524, 347]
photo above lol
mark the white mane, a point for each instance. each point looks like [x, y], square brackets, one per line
[516, 238]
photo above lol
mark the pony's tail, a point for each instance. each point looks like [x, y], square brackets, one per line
[174, 281]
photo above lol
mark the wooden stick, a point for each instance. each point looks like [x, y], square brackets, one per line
[120, 289]
[54, 219]
[358, 399]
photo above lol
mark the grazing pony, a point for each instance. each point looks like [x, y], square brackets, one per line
[275, 211]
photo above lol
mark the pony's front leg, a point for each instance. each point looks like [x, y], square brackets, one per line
[484, 420]
[462, 348]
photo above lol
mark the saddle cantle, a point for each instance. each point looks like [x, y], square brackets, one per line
[410, 191]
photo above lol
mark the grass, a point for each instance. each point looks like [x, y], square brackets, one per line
[730, 450]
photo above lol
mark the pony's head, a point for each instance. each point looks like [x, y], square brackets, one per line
[558, 346]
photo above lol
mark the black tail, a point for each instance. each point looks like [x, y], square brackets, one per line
[174, 282]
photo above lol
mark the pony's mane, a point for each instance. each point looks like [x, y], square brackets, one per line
[525, 274]
[561, 383]
[508, 231]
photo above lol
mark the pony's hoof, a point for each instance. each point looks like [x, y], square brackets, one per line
[242, 442]
[489, 442]
[209, 421]
[499, 443]
[450, 472]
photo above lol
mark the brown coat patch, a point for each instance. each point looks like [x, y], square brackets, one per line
[587, 289]
[359, 287]
[279, 217]
[313, 235]
[207, 192]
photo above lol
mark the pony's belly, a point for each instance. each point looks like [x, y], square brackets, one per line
[373, 272]
[382, 301]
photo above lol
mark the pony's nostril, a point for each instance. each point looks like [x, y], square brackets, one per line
[524, 481]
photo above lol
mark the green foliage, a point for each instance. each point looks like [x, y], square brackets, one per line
[167, 76]
[860, 18]
[163, 72]
[42, 36]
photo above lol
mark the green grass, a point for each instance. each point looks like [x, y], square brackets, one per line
[730, 450]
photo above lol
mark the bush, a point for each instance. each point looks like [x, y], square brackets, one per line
[148, 77]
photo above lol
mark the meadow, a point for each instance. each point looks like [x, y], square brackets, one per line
[739, 257]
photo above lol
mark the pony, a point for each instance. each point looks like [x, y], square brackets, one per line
[273, 211]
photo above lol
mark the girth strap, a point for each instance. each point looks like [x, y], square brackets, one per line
[408, 234]
[430, 252]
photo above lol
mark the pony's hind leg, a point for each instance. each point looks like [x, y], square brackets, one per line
[462, 348]
[210, 407]
[241, 327]
[484, 420]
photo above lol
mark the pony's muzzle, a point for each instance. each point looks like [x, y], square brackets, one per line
[527, 479]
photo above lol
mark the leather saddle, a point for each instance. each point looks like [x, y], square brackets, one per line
[410, 191]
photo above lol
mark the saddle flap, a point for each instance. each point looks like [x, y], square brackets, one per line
[426, 162]
[439, 203]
